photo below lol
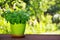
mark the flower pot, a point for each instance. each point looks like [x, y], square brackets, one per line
[17, 30]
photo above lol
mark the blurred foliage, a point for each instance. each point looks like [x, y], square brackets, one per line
[42, 14]
[4, 26]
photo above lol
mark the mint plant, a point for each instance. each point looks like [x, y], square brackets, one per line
[16, 16]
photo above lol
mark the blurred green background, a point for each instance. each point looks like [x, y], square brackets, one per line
[44, 15]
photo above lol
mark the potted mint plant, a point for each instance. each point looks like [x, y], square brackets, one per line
[17, 21]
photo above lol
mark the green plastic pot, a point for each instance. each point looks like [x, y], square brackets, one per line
[17, 30]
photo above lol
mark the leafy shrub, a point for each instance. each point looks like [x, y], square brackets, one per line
[16, 16]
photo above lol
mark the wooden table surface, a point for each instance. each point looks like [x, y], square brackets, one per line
[31, 37]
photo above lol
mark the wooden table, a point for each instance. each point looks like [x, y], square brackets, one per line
[31, 37]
